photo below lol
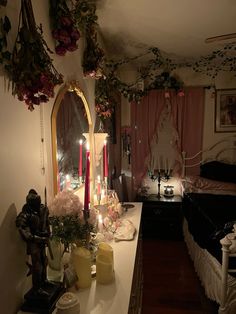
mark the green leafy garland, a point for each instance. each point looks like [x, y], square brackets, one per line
[156, 78]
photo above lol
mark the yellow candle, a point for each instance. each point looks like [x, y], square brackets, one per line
[81, 258]
[104, 269]
[106, 250]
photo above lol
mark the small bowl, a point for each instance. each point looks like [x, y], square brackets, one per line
[68, 304]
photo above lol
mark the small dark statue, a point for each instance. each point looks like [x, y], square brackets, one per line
[33, 225]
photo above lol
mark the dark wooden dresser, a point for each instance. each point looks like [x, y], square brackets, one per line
[162, 218]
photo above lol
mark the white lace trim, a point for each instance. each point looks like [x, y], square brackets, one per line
[208, 270]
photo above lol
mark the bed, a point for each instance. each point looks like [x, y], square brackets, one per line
[209, 208]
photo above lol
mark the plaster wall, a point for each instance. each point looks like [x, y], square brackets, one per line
[22, 156]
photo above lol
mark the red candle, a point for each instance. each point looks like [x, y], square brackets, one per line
[105, 162]
[80, 158]
[87, 182]
[99, 186]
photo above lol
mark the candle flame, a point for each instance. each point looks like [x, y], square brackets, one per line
[80, 142]
[100, 218]
[87, 146]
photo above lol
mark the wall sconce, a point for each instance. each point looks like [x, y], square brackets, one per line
[168, 191]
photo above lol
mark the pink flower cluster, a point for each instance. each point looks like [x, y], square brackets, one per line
[36, 90]
[104, 110]
[66, 203]
[66, 36]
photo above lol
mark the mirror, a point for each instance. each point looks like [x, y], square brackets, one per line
[70, 119]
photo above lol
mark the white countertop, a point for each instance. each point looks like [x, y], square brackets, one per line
[114, 298]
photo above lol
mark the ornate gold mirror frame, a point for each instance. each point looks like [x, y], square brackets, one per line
[71, 87]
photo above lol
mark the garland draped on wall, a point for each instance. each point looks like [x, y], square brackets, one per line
[71, 20]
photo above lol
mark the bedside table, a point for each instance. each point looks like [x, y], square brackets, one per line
[162, 218]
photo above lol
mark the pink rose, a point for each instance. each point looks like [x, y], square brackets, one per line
[60, 50]
[72, 46]
[181, 93]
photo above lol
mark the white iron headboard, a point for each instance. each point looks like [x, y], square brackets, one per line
[223, 150]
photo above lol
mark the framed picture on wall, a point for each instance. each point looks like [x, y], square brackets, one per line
[225, 110]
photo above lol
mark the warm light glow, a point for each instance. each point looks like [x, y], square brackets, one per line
[105, 142]
[80, 142]
[67, 177]
[99, 178]
[87, 146]
[100, 218]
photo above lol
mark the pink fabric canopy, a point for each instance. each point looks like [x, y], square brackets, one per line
[187, 117]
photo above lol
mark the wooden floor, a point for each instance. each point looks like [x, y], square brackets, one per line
[171, 285]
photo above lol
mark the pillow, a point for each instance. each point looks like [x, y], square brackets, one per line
[220, 171]
[197, 184]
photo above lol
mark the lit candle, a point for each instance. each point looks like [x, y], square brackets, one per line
[81, 258]
[105, 162]
[100, 223]
[87, 182]
[67, 181]
[80, 158]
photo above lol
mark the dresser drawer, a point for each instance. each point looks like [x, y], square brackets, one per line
[161, 210]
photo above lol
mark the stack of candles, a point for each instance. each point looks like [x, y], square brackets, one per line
[104, 263]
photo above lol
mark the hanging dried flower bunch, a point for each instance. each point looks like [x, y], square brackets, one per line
[64, 30]
[104, 101]
[86, 19]
[5, 55]
[32, 73]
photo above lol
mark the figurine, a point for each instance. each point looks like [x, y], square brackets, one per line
[33, 225]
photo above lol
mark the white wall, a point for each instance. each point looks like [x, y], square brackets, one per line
[21, 158]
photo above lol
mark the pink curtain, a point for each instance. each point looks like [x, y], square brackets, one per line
[144, 120]
[188, 118]
[187, 115]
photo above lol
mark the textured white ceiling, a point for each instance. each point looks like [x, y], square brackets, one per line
[177, 27]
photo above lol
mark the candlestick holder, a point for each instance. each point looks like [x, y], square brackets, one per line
[159, 176]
